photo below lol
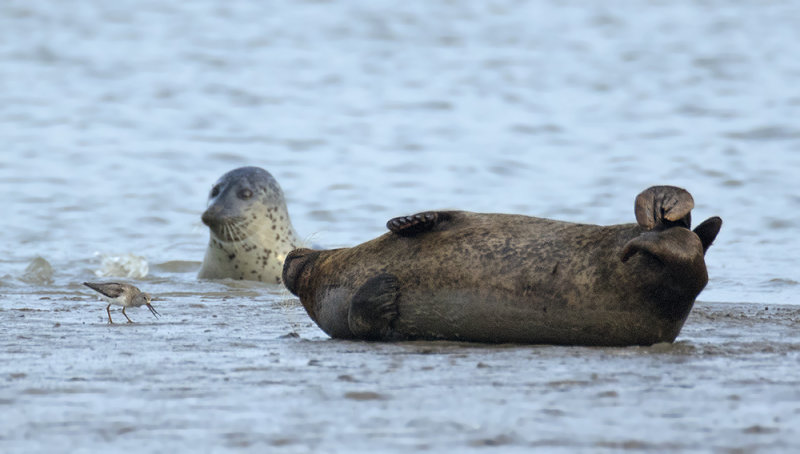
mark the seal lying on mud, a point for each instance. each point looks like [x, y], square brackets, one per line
[509, 278]
[250, 228]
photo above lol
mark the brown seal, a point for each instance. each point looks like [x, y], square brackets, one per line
[510, 278]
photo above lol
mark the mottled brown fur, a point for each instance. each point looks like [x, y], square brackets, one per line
[511, 278]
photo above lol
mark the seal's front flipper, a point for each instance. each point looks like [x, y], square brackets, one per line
[708, 230]
[417, 223]
[374, 308]
[661, 207]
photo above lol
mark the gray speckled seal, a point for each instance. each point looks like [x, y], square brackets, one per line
[250, 230]
[509, 278]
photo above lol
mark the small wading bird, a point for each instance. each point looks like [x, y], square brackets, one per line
[124, 295]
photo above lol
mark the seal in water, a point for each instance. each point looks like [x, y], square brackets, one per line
[250, 228]
[510, 278]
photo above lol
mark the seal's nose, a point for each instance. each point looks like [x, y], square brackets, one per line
[294, 265]
[211, 215]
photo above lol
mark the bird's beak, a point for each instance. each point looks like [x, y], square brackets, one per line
[153, 310]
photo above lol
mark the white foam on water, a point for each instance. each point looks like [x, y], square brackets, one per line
[127, 265]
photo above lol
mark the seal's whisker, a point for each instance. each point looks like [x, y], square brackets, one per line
[235, 234]
[243, 231]
[306, 242]
[229, 233]
[223, 233]
[238, 241]
[251, 230]
[244, 242]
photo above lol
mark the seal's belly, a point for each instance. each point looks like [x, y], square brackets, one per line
[468, 316]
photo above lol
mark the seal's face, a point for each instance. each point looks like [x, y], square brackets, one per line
[295, 268]
[239, 198]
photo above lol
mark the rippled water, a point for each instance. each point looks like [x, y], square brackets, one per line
[116, 118]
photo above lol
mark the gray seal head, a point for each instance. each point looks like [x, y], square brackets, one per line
[250, 230]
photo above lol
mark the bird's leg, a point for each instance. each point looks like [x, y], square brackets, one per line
[126, 315]
[108, 309]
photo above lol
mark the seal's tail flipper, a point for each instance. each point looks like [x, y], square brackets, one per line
[374, 308]
[708, 230]
[661, 207]
[417, 223]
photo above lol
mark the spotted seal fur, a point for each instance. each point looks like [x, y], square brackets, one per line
[250, 229]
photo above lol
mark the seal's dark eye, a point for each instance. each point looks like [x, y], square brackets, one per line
[215, 191]
[245, 194]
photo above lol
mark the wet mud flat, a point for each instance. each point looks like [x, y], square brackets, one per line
[219, 373]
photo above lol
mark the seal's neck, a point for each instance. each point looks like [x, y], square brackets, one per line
[257, 258]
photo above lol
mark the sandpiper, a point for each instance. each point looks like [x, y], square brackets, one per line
[124, 295]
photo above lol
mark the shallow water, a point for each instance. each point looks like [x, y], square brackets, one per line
[237, 369]
[116, 118]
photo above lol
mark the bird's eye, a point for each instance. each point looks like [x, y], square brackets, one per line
[245, 194]
[215, 191]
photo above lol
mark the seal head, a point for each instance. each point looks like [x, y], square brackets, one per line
[250, 229]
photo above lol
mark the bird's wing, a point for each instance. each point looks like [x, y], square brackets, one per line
[111, 289]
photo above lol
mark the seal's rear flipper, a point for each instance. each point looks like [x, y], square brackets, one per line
[374, 308]
[661, 207]
[708, 230]
[417, 223]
